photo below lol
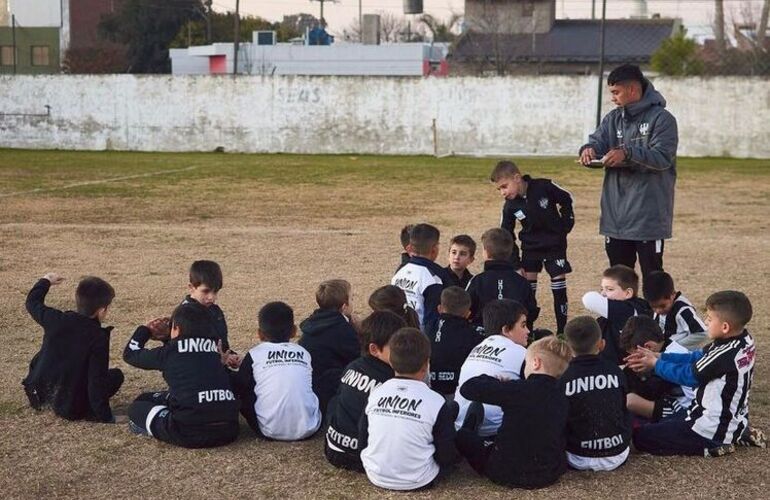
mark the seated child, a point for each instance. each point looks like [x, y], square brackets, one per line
[529, 449]
[199, 409]
[330, 338]
[501, 354]
[451, 341]
[718, 417]
[406, 432]
[676, 314]
[421, 278]
[275, 380]
[651, 397]
[70, 371]
[392, 298]
[499, 280]
[616, 302]
[359, 379]
[544, 211]
[205, 284]
[406, 254]
[462, 250]
[598, 426]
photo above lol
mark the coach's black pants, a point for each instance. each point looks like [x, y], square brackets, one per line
[625, 252]
[150, 413]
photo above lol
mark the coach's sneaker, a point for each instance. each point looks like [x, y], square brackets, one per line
[719, 451]
[753, 437]
[474, 417]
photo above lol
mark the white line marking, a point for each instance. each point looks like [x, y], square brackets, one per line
[100, 181]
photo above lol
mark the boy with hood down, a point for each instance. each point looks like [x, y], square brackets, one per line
[330, 337]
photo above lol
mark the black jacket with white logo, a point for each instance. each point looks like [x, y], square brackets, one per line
[455, 280]
[619, 311]
[332, 343]
[198, 383]
[70, 370]
[452, 339]
[599, 424]
[546, 217]
[359, 379]
[217, 318]
[499, 280]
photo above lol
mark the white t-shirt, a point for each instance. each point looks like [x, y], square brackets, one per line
[286, 407]
[495, 356]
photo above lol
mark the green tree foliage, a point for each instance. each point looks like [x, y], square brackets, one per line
[223, 28]
[677, 56]
[147, 27]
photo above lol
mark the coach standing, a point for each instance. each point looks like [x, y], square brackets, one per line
[637, 144]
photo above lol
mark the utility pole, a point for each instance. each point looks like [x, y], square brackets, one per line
[601, 65]
[593, 9]
[13, 40]
[361, 22]
[208, 21]
[237, 37]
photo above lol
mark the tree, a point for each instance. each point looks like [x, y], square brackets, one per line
[441, 31]
[393, 28]
[677, 56]
[194, 31]
[762, 28]
[147, 27]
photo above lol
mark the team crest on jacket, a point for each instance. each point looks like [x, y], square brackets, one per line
[619, 134]
[644, 128]
[543, 203]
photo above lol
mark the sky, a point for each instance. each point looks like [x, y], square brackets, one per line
[339, 15]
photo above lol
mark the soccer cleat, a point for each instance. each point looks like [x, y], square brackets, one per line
[474, 417]
[135, 429]
[753, 437]
[719, 451]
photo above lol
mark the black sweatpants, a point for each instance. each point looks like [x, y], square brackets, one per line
[150, 413]
[39, 398]
[625, 252]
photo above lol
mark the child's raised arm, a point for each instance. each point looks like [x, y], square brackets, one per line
[136, 355]
[44, 316]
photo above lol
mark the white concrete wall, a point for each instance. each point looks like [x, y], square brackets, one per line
[522, 115]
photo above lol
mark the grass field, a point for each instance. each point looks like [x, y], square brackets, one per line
[279, 225]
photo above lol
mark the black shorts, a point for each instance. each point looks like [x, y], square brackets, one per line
[343, 460]
[554, 267]
[666, 407]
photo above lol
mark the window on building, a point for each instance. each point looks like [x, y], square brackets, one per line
[6, 55]
[40, 55]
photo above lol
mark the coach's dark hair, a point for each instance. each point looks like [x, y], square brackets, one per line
[732, 306]
[625, 276]
[276, 321]
[498, 243]
[464, 240]
[637, 331]
[406, 233]
[409, 350]
[455, 301]
[92, 294]
[503, 169]
[206, 272]
[392, 298]
[582, 334]
[658, 285]
[626, 73]
[423, 237]
[193, 321]
[500, 313]
[378, 328]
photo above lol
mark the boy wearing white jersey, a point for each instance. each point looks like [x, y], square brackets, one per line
[406, 432]
[274, 380]
[500, 355]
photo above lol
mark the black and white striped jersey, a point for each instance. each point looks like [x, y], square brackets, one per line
[721, 407]
[682, 324]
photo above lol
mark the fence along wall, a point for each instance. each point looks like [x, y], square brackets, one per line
[494, 116]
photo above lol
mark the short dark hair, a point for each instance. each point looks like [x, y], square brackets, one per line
[92, 294]
[455, 301]
[464, 240]
[637, 331]
[409, 350]
[276, 321]
[503, 169]
[658, 285]
[733, 307]
[333, 294]
[378, 328]
[498, 243]
[625, 73]
[500, 313]
[624, 275]
[206, 272]
[193, 321]
[406, 233]
[392, 298]
[423, 237]
[582, 334]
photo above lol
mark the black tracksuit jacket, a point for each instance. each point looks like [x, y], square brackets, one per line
[618, 313]
[499, 280]
[217, 318]
[451, 340]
